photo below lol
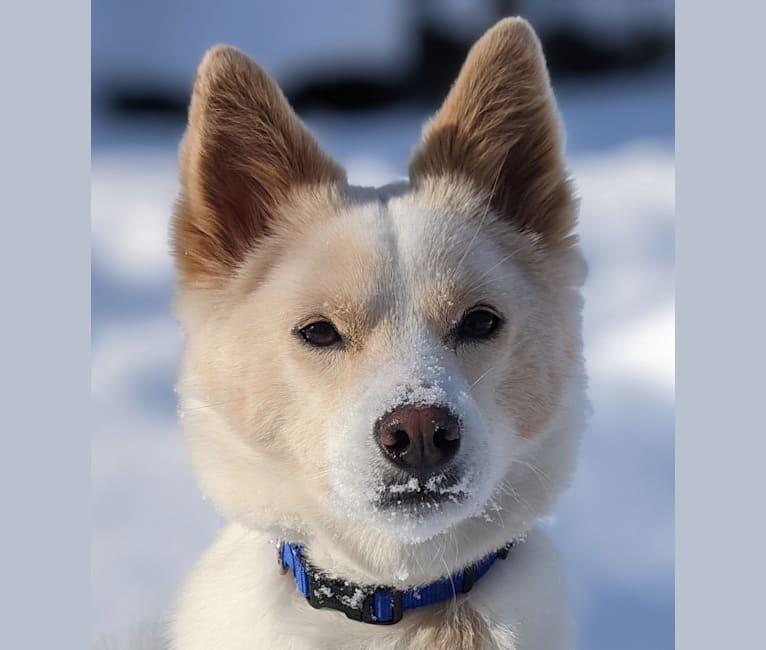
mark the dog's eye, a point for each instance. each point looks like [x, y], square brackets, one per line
[320, 334]
[477, 324]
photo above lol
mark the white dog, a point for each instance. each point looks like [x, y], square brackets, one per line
[383, 386]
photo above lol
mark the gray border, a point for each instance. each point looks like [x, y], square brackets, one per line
[44, 347]
[720, 535]
[721, 438]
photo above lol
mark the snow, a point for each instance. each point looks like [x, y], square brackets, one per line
[354, 601]
[615, 524]
[413, 485]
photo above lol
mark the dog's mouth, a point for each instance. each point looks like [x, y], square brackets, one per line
[422, 494]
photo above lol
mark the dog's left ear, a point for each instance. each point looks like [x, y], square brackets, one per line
[243, 153]
[499, 130]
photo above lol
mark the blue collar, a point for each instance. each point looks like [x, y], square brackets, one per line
[376, 604]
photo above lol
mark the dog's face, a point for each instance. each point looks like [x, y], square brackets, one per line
[381, 366]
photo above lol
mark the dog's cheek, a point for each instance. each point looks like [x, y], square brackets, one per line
[317, 398]
[236, 373]
[531, 388]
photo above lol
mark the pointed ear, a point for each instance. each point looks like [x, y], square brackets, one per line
[243, 152]
[498, 128]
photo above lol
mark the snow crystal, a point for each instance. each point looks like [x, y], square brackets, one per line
[413, 485]
[355, 600]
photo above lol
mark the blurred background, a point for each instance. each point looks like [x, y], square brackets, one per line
[364, 77]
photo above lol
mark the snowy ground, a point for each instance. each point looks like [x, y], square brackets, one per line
[614, 526]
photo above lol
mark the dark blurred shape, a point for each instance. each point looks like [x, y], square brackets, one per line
[569, 53]
[346, 92]
[148, 102]
[439, 57]
[438, 52]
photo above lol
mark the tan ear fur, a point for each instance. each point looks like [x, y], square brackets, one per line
[243, 153]
[498, 128]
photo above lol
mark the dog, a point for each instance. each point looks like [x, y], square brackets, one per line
[382, 389]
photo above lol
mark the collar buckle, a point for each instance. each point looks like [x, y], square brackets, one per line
[326, 592]
[397, 606]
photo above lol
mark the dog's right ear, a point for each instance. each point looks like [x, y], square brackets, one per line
[499, 129]
[244, 150]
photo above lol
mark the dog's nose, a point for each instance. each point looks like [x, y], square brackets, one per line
[419, 439]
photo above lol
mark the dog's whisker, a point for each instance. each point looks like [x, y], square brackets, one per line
[541, 475]
[486, 209]
[499, 513]
[484, 277]
[507, 488]
[457, 547]
[211, 405]
[417, 561]
[475, 287]
[448, 573]
[480, 378]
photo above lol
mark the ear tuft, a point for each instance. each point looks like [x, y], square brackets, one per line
[499, 129]
[243, 153]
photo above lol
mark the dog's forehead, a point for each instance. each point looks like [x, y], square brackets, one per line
[446, 240]
[402, 252]
[386, 253]
[417, 242]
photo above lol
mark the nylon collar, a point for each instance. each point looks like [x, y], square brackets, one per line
[378, 605]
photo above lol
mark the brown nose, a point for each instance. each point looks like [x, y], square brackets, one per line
[419, 439]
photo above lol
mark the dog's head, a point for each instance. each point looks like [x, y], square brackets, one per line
[387, 366]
